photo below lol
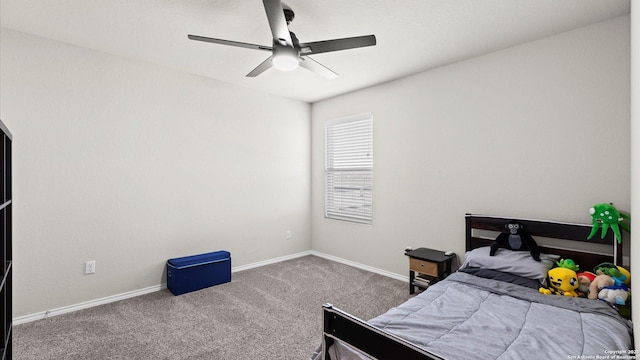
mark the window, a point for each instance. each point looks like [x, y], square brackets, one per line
[348, 175]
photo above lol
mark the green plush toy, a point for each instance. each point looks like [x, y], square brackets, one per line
[607, 216]
[611, 270]
[568, 264]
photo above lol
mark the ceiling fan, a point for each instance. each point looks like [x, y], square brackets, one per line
[287, 53]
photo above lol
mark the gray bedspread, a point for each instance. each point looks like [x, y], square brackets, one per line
[467, 317]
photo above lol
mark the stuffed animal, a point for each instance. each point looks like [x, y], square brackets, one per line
[616, 295]
[614, 271]
[626, 274]
[515, 238]
[563, 281]
[568, 263]
[584, 281]
[607, 216]
[613, 290]
[600, 282]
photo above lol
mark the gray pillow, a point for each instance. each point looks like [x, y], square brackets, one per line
[502, 276]
[515, 262]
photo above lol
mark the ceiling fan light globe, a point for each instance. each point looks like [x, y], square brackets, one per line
[285, 62]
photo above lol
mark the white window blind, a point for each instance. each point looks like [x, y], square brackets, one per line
[349, 169]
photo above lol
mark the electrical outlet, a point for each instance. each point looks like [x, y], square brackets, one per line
[89, 267]
[288, 234]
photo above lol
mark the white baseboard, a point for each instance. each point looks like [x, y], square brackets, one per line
[109, 299]
[271, 261]
[362, 266]
[87, 304]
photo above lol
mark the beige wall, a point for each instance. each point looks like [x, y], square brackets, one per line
[130, 164]
[538, 131]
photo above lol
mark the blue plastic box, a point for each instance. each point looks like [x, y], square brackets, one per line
[191, 273]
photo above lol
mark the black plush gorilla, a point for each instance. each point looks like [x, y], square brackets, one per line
[515, 238]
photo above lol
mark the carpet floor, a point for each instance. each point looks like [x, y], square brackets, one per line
[270, 312]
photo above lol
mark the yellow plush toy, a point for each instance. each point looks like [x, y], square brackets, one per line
[563, 281]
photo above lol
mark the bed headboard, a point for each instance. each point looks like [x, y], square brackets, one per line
[576, 233]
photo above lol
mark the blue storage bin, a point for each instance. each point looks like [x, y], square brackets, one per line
[191, 273]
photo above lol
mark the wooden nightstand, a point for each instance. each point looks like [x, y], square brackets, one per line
[427, 266]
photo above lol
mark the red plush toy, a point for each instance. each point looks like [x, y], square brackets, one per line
[584, 281]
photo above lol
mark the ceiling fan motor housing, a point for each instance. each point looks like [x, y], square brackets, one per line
[285, 57]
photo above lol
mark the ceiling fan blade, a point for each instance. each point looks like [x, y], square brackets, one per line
[261, 68]
[277, 22]
[318, 47]
[229, 42]
[312, 65]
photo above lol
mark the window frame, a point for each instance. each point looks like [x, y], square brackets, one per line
[348, 173]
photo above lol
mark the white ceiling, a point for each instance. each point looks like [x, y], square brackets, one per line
[412, 35]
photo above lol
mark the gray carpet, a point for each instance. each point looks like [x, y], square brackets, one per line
[271, 312]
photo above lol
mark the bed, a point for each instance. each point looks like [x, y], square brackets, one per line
[475, 315]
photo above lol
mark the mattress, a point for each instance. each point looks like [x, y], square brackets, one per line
[469, 317]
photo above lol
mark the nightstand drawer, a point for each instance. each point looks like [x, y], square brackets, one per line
[423, 267]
